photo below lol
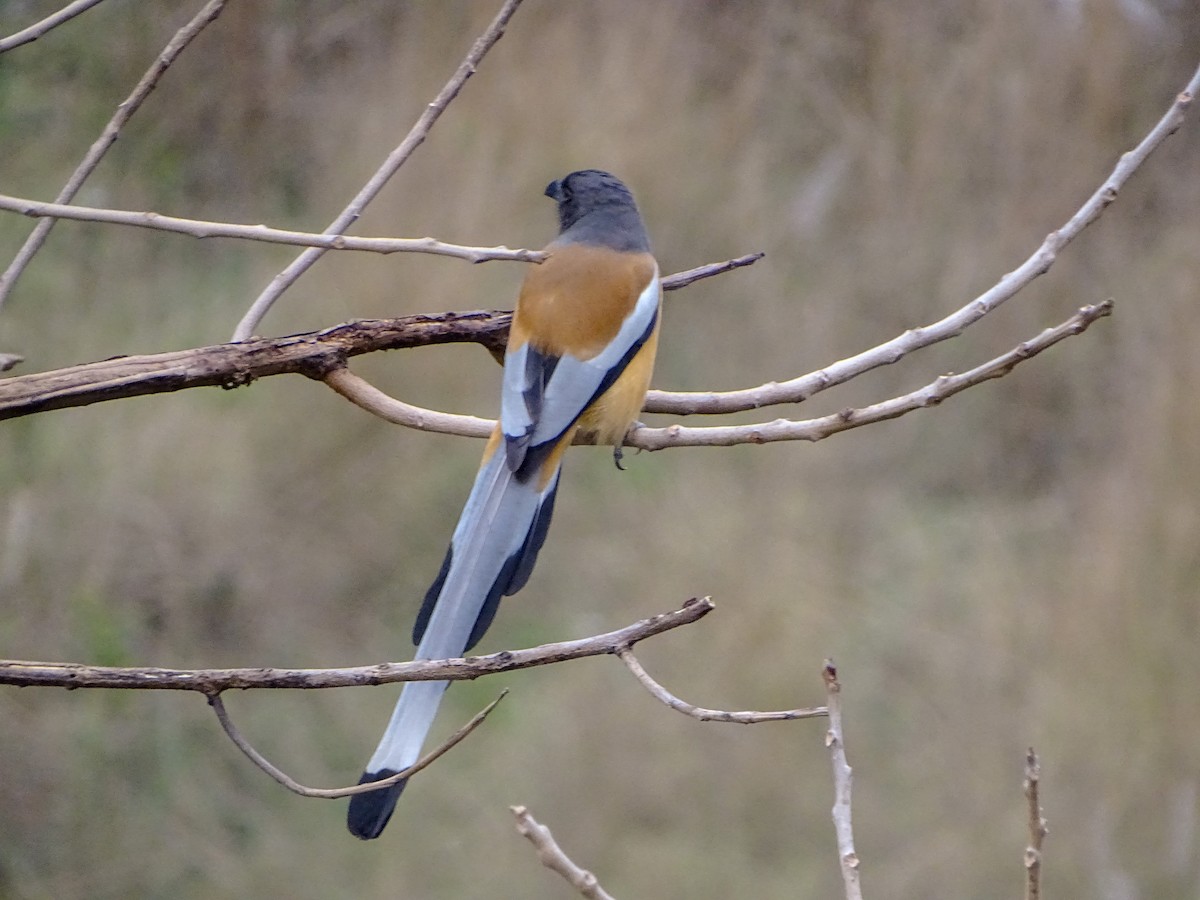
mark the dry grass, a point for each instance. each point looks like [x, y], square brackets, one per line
[1017, 567]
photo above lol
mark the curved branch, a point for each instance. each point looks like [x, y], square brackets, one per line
[415, 137]
[645, 438]
[213, 681]
[366, 396]
[37, 29]
[296, 787]
[748, 717]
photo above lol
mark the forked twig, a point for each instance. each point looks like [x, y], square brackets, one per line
[941, 388]
[747, 717]
[373, 400]
[218, 706]
[125, 110]
[391, 165]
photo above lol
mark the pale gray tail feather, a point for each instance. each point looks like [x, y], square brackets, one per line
[491, 554]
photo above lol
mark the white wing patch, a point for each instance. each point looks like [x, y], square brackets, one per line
[573, 384]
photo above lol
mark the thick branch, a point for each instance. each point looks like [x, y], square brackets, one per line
[397, 158]
[213, 681]
[232, 365]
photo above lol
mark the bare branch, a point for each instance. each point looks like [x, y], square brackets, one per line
[397, 158]
[796, 390]
[314, 354]
[644, 438]
[212, 681]
[366, 396]
[683, 279]
[141, 91]
[816, 429]
[322, 355]
[334, 793]
[553, 857]
[201, 229]
[842, 776]
[1037, 828]
[711, 715]
[8, 360]
[232, 365]
[36, 30]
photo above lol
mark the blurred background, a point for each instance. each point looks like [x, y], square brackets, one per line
[1017, 567]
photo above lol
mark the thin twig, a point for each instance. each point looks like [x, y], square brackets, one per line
[212, 681]
[377, 402]
[683, 279]
[322, 355]
[1037, 828]
[199, 228]
[747, 717]
[842, 777]
[141, 91]
[798, 389]
[553, 857]
[932, 394]
[214, 700]
[232, 365]
[37, 29]
[391, 165]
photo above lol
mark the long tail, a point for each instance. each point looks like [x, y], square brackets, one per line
[491, 555]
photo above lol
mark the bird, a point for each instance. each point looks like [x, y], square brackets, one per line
[579, 358]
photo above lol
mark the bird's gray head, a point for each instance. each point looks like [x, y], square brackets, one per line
[595, 207]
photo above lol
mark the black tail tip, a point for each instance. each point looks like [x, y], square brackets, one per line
[369, 813]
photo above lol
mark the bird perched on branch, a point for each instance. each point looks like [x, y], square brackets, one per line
[579, 358]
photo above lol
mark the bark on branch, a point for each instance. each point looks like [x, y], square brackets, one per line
[315, 354]
[212, 681]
